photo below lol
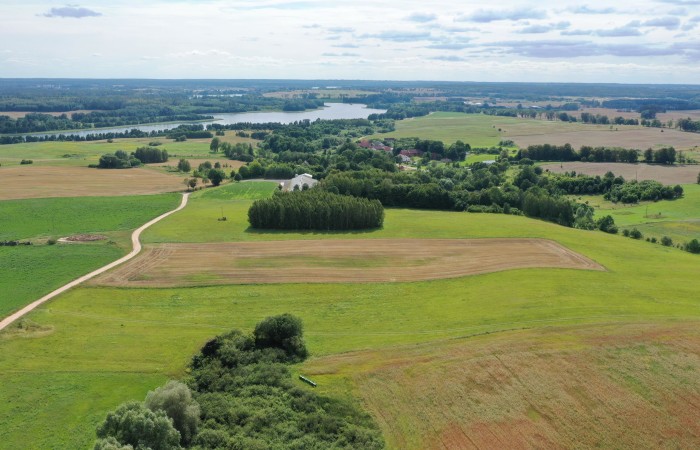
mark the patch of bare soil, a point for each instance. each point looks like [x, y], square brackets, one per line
[84, 238]
[337, 261]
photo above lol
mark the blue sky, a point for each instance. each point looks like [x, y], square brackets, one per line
[654, 41]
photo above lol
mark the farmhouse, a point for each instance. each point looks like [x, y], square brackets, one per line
[298, 182]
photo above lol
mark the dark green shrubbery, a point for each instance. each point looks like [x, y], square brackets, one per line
[315, 210]
[242, 397]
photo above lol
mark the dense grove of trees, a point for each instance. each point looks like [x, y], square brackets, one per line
[633, 192]
[666, 155]
[149, 155]
[688, 125]
[240, 395]
[315, 210]
[119, 160]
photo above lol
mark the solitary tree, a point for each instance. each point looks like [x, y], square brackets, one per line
[214, 146]
[184, 166]
[216, 176]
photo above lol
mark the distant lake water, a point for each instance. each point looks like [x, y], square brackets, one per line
[329, 112]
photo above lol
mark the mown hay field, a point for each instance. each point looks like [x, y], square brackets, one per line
[609, 386]
[480, 130]
[671, 175]
[30, 181]
[336, 261]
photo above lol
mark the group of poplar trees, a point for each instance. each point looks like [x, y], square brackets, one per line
[315, 210]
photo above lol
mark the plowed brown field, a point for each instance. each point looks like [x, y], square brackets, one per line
[341, 261]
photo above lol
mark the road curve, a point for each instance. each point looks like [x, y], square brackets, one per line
[135, 242]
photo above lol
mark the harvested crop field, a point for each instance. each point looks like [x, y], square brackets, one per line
[614, 386]
[663, 174]
[337, 261]
[20, 182]
[601, 136]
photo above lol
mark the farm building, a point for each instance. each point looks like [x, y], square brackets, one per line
[299, 181]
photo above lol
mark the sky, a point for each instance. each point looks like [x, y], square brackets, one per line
[640, 41]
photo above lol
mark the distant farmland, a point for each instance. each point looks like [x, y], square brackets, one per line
[45, 181]
[480, 130]
[662, 174]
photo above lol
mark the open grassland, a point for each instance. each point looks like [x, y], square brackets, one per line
[676, 174]
[480, 130]
[88, 152]
[29, 272]
[679, 219]
[22, 182]
[336, 261]
[107, 337]
[57, 217]
[630, 386]
[475, 129]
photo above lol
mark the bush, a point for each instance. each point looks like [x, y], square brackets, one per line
[693, 246]
[636, 234]
[626, 233]
[26, 161]
[315, 210]
[133, 424]
[284, 332]
[607, 224]
[52, 241]
[184, 166]
[666, 241]
[175, 399]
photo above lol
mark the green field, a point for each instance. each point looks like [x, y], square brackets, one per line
[476, 130]
[47, 217]
[678, 219]
[115, 344]
[29, 272]
[70, 153]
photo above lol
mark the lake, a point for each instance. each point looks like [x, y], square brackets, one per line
[329, 112]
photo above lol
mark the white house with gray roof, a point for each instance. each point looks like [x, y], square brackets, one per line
[299, 181]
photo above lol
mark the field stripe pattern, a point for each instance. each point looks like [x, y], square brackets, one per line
[342, 261]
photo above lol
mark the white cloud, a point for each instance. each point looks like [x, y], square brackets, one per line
[405, 39]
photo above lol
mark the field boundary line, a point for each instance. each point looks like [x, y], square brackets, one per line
[136, 249]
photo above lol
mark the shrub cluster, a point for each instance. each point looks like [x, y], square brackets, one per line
[633, 192]
[241, 396]
[151, 155]
[315, 210]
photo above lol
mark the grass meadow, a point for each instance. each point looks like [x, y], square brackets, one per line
[29, 272]
[479, 130]
[69, 153]
[679, 219]
[113, 344]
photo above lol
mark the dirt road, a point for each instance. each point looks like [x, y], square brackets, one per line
[136, 244]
